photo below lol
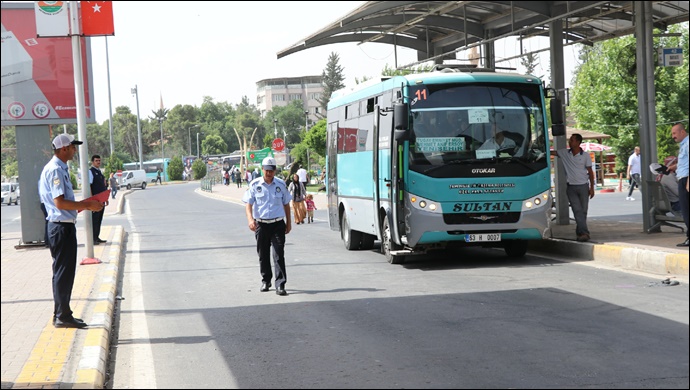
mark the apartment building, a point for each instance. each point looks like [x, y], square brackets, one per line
[279, 92]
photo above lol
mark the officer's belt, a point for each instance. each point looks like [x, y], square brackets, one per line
[269, 220]
[72, 221]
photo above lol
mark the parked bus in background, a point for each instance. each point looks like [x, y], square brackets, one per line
[441, 159]
[151, 168]
[231, 161]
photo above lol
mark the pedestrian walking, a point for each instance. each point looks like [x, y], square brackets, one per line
[114, 185]
[298, 193]
[268, 216]
[56, 193]
[310, 208]
[634, 172]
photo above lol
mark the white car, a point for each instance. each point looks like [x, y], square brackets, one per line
[10, 193]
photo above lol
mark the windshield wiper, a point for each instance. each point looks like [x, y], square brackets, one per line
[522, 160]
[456, 162]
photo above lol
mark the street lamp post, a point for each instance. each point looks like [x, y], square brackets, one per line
[287, 150]
[189, 131]
[306, 129]
[198, 155]
[135, 92]
[275, 128]
[160, 123]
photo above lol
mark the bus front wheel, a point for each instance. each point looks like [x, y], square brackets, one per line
[129, 186]
[351, 238]
[387, 244]
[516, 248]
[143, 185]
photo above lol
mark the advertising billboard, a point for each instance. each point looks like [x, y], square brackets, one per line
[38, 73]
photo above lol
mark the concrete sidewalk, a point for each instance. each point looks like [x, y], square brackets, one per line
[36, 355]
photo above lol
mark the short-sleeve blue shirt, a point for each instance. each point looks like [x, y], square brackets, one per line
[55, 181]
[268, 199]
[682, 168]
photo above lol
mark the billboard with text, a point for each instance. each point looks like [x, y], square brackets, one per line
[38, 73]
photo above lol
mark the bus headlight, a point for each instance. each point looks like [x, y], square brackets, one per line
[536, 202]
[424, 204]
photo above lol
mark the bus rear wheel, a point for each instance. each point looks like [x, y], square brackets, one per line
[516, 248]
[351, 238]
[387, 244]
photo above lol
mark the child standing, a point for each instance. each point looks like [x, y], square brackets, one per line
[310, 208]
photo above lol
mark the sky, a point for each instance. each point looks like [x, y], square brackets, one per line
[183, 51]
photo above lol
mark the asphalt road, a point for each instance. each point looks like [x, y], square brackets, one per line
[193, 316]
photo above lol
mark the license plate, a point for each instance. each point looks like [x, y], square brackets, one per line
[483, 237]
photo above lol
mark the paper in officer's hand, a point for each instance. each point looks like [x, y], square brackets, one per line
[101, 197]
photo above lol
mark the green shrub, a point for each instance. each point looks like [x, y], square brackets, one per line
[199, 169]
[175, 168]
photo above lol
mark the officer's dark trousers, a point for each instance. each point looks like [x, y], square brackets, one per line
[270, 239]
[63, 249]
[96, 219]
[683, 198]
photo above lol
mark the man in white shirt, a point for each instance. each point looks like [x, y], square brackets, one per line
[498, 141]
[634, 172]
[303, 176]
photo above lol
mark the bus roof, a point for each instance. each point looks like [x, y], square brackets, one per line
[361, 91]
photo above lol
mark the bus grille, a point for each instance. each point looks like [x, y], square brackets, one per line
[479, 219]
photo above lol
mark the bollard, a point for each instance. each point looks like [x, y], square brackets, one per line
[620, 182]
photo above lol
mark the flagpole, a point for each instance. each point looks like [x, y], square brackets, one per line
[110, 102]
[75, 33]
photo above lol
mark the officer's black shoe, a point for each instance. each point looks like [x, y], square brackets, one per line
[74, 318]
[684, 243]
[281, 291]
[98, 240]
[265, 286]
[71, 323]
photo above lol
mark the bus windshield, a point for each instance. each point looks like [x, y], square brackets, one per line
[476, 123]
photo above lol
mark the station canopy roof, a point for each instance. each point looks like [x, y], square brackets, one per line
[438, 29]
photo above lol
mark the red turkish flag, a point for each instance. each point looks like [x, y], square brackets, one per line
[97, 18]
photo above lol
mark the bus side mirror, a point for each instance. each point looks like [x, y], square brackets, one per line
[401, 116]
[557, 125]
[557, 130]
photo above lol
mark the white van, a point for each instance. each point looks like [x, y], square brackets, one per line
[10, 193]
[135, 178]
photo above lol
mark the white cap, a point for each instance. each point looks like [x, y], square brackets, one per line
[63, 140]
[269, 163]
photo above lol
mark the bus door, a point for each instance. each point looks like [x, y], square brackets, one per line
[331, 172]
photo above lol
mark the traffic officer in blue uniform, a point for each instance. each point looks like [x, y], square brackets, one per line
[268, 216]
[56, 193]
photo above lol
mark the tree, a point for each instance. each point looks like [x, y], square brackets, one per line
[175, 168]
[530, 62]
[332, 79]
[199, 169]
[604, 96]
[213, 144]
[316, 138]
[113, 165]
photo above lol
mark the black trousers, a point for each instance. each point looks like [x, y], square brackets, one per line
[96, 219]
[683, 198]
[45, 219]
[270, 240]
[63, 249]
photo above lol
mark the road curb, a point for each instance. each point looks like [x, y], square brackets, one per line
[636, 259]
[94, 358]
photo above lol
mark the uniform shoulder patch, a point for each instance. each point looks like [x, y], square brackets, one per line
[56, 181]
